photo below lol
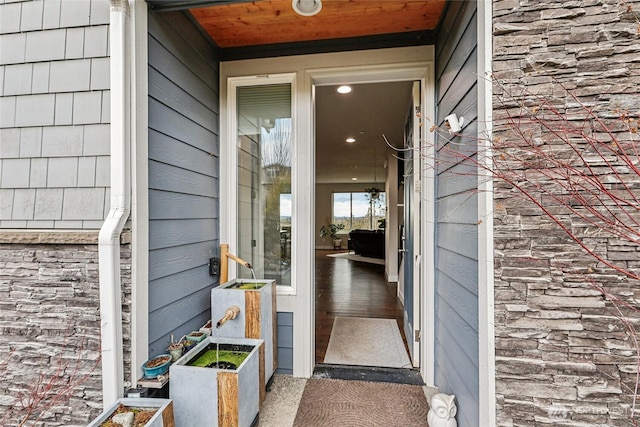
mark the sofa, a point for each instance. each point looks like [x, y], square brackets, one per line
[369, 243]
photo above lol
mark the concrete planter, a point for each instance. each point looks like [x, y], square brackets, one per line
[162, 418]
[257, 318]
[217, 397]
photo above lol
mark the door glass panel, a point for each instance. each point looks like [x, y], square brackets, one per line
[264, 181]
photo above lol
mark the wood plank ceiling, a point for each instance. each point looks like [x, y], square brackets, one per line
[264, 22]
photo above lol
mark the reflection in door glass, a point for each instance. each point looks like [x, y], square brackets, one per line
[264, 181]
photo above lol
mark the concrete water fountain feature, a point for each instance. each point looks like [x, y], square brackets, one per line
[256, 300]
[206, 395]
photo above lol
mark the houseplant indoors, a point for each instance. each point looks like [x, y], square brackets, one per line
[332, 229]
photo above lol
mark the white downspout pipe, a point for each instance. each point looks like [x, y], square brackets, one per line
[109, 237]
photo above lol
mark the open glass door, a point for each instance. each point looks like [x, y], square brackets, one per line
[411, 232]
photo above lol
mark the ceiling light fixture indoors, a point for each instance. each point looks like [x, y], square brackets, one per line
[344, 89]
[350, 140]
[307, 7]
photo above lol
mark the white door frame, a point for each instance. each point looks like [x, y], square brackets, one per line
[427, 231]
[417, 205]
[423, 298]
[228, 196]
[381, 65]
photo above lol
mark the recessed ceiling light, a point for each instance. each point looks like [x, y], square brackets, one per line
[307, 7]
[354, 179]
[344, 89]
[350, 140]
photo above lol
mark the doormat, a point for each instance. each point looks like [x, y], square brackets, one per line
[327, 402]
[366, 342]
[368, 373]
[353, 257]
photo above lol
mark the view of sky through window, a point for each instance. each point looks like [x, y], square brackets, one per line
[358, 210]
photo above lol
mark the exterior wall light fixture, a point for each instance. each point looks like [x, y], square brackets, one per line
[307, 7]
[455, 123]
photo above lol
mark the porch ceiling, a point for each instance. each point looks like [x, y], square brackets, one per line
[260, 22]
[268, 28]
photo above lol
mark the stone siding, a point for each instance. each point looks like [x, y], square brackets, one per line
[50, 326]
[563, 354]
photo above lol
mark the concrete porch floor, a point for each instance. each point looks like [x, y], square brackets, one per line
[281, 404]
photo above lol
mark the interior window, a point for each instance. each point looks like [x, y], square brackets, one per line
[359, 210]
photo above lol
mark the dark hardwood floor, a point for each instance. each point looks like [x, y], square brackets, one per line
[350, 289]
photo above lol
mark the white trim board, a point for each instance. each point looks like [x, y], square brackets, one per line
[427, 229]
[140, 189]
[486, 337]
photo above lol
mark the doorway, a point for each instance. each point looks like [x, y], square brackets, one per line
[363, 178]
[296, 301]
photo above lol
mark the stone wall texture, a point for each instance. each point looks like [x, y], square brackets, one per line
[564, 354]
[50, 371]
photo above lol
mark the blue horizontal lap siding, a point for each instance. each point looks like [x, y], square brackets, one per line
[188, 157]
[168, 205]
[166, 120]
[178, 314]
[166, 90]
[171, 260]
[285, 343]
[456, 276]
[456, 303]
[183, 176]
[172, 287]
[178, 180]
[164, 232]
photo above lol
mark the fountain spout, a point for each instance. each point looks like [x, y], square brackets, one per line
[230, 314]
[224, 262]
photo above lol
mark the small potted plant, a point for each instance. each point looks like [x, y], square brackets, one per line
[196, 336]
[158, 365]
[331, 230]
[175, 349]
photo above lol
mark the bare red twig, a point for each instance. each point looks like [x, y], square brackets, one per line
[620, 304]
[579, 165]
[47, 390]
[578, 171]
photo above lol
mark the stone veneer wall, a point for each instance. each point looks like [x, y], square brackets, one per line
[562, 354]
[50, 324]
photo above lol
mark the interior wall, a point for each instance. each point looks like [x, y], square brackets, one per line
[456, 276]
